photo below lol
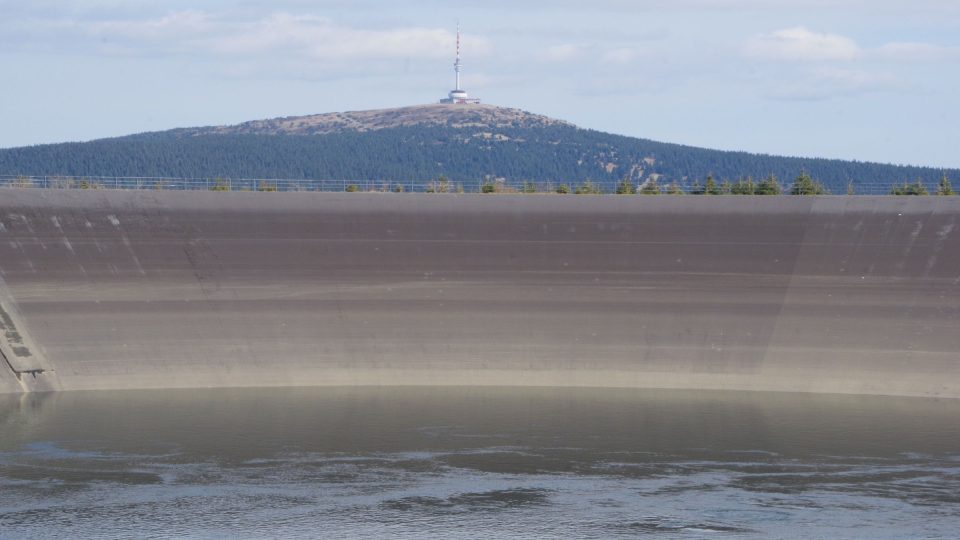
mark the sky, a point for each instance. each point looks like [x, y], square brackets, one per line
[871, 80]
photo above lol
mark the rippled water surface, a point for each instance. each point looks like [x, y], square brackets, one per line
[477, 463]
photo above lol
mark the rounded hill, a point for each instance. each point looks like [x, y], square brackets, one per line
[467, 144]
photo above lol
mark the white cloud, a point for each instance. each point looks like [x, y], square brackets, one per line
[177, 24]
[305, 37]
[801, 44]
[321, 38]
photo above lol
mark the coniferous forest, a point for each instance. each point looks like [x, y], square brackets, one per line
[559, 154]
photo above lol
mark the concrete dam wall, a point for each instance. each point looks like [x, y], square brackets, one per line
[147, 289]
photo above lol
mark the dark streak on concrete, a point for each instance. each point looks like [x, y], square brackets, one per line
[9, 329]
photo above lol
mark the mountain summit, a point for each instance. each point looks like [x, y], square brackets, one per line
[467, 143]
[460, 116]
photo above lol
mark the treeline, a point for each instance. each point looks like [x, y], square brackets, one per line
[803, 184]
[560, 154]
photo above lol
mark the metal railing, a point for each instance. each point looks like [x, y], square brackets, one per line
[210, 184]
[330, 185]
[274, 184]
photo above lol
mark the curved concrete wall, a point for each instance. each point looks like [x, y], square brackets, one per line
[123, 289]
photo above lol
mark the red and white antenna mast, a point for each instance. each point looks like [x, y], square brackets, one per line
[456, 65]
[458, 95]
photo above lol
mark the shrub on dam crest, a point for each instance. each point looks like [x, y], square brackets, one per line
[944, 188]
[626, 187]
[266, 186]
[588, 188]
[220, 184]
[806, 185]
[913, 188]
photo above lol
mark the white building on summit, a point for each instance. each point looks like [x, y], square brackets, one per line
[458, 95]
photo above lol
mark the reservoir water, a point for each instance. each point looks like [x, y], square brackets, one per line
[477, 462]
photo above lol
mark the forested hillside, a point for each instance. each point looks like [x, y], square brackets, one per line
[464, 151]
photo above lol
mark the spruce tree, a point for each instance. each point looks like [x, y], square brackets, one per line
[710, 186]
[805, 185]
[443, 184]
[626, 187]
[944, 188]
[769, 186]
[915, 188]
[743, 187]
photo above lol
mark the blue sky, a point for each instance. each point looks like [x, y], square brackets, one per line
[873, 80]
